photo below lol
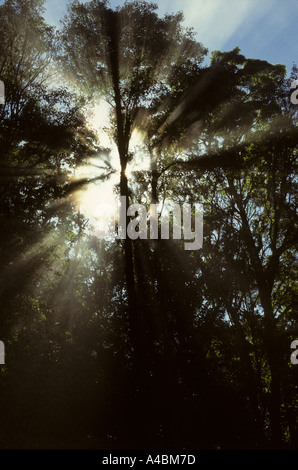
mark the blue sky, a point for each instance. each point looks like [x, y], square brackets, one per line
[263, 29]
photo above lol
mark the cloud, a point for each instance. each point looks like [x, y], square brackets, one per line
[217, 21]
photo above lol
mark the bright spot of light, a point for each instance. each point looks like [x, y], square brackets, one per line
[97, 200]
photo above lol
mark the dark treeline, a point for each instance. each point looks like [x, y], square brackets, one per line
[126, 344]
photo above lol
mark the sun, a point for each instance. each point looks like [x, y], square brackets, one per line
[98, 201]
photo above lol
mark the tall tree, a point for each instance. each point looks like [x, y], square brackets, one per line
[125, 56]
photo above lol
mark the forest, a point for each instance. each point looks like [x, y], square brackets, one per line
[122, 343]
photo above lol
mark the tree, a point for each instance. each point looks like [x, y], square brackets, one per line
[125, 56]
[252, 234]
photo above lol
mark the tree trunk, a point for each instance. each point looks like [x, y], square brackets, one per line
[274, 361]
[271, 333]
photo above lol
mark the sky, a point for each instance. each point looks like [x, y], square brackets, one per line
[263, 29]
